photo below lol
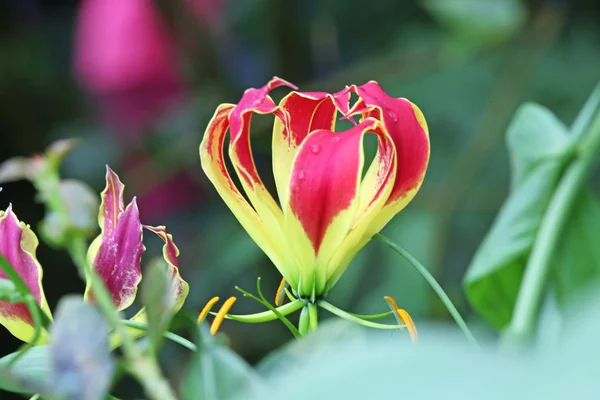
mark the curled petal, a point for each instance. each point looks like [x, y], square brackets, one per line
[302, 113]
[406, 125]
[324, 197]
[116, 255]
[240, 153]
[180, 288]
[112, 202]
[213, 164]
[18, 244]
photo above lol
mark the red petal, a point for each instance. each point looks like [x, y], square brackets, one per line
[325, 176]
[117, 256]
[408, 131]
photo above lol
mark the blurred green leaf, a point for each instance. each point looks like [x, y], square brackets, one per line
[215, 372]
[338, 364]
[32, 368]
[577, 260]
[539, 145]
[82, 366]
[78, 215]
[479, 20]
[157, 300]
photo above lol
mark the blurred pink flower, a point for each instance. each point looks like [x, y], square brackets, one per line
[126, 58]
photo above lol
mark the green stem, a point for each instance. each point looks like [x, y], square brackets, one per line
[313, 317]
[349, 317]
[167, 335]
[145, 369]
[265, 303]
[370, 317]
[267, 316]
[434, 285]
[304, 323]
[557, 213]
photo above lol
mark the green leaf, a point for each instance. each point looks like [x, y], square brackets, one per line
[216, 372]
[479, 20]
[539, 148]
[373, 365]
[32, 370]
[577, 260]
[82, 366]
[157, 300]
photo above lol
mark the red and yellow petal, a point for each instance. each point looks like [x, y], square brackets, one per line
[180, 288]
[18, 244]
[324, 198]
[375, 189]
[240, 153]
[213, 164]
[302, 113]
[116, 256]
[406, 125]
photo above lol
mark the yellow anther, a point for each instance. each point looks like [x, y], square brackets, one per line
[404, 318]
[206, 309]
[280, 295]
[214, 327]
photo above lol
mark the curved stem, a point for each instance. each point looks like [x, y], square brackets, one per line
[370, 317]
[350, 317]
[167, 335]
[433, 283]
[265, 303]
[267, 316]
[559, 209]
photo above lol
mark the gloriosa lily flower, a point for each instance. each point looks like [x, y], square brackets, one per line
[329, 210]
[115, 255]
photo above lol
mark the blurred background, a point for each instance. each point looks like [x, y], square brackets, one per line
[138, 80]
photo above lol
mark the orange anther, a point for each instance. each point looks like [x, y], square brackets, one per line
[206, 309]
[404, 317]
[214, 327]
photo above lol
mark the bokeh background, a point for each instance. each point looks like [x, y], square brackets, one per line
[138, 80]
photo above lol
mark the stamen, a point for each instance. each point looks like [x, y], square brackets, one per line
[280, 295]
[206, 309]
[404, 317]
[214, 327]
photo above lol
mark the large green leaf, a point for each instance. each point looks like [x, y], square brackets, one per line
[216, 372]
[577, 260]
[539, 147]
[32, 370]
[335, 363]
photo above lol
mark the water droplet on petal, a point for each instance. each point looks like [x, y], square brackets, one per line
[301, 176]
[315, 148]
[336, 139]
[393, 116]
